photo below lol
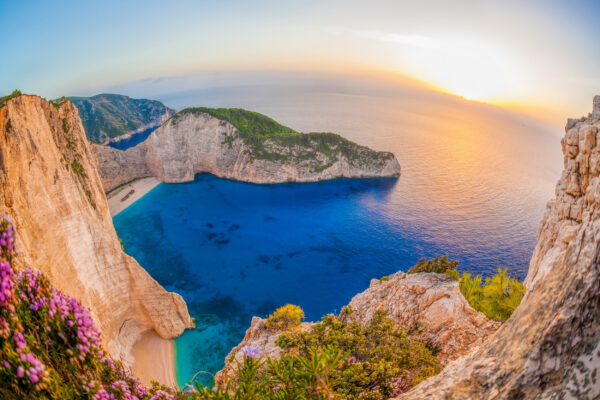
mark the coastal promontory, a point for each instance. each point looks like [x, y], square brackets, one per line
[241, 145]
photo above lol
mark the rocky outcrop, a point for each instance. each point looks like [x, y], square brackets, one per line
[118, 167]
[196, 142]
[49, 186]
[596, 107]
[257, 336]
[550, 347]
[429, 306]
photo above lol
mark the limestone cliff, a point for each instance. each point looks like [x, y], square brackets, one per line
[550, 347]
[195, 141]
[49, 186]
[429, 306]
[429, 303]
[112, 117]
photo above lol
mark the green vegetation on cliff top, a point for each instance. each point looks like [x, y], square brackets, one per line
[269, 140]
[335, 359]
[106, 116]
[15, 93]
[250, 124]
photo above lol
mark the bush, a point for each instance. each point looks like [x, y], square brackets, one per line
[437, 265]
[384, 278]
[453, 274]
[49, 345]
[378, 353]
[285, 317]
[15, 93]
[497, 298]
[334, 360]
[78, 169]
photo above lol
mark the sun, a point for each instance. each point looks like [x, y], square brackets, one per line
[468, 69]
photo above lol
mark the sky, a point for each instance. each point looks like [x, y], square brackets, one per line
[534, 56]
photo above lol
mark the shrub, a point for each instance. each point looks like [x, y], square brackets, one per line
[334, 360]
[384, 278]
[377, 354]
[346, 311]
[284, 317]
[438, 265]
[453, 274]
[15, 93]
[65, 125]
[49, 345]
[497, 298]
[78, 169]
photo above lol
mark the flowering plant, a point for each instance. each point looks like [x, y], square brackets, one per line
[49, 345]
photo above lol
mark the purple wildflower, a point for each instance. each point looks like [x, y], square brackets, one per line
[250, 351]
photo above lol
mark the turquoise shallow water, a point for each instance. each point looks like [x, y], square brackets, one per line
[474, 185]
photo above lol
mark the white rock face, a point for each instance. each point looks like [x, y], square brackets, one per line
[434, 303]
[49, 186]
[198, 142]
[596, 107]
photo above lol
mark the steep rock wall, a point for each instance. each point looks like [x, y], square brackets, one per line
[550, 347]
[198, 142]
[49, 186]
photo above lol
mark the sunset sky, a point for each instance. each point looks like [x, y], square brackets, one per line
[534, 55]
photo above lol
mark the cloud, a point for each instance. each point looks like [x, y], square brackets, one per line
[404, 39]
[408, 40]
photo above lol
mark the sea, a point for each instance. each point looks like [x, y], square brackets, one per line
[475, 182]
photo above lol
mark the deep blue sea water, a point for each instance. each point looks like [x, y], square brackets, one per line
[474, 185]
[133, 140]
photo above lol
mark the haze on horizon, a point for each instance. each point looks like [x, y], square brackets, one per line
[537, 57]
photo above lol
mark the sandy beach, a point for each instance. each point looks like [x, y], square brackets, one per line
[124, 196]
[154, 360]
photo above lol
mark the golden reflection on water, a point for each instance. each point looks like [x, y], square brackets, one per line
[472, 174]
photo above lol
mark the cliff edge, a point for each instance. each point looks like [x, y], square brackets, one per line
[49, 186]
[241, 145]
[550, 347]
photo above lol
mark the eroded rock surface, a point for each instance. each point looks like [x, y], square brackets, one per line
[428, 304]
[193, 143]
[550, 347]
[49, 186]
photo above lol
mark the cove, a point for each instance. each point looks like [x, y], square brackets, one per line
[234, 250]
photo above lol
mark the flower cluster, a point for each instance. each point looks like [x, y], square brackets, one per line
[49, 345]
[250, 351]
